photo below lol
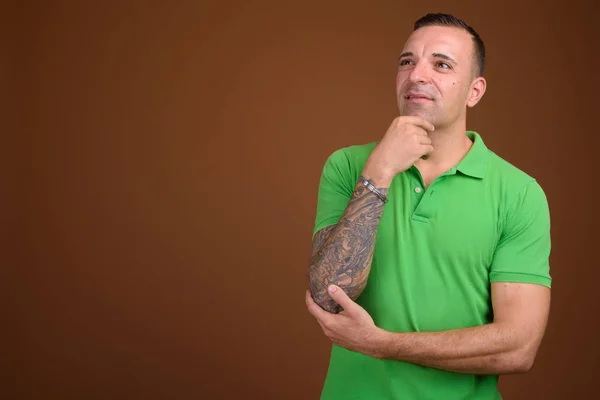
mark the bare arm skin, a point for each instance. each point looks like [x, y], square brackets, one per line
[342, 254]
[507, 345]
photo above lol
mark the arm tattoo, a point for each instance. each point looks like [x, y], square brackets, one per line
[342, 254]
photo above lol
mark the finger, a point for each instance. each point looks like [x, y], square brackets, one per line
[420, 122]
[314, 308]
[426, 140]
[420, 132]
[323, 328]
[340, 297]
[308, 299]
[427, 150]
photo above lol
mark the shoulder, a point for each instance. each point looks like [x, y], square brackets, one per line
[350, 158]
[519, 192]
[508, 176]
[506, 171]
[353, 153]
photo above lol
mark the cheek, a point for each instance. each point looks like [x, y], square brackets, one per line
[399, 81]
[456, 84]
[452, 91]
[449, 88]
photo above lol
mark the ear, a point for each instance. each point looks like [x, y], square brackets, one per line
[476, 91]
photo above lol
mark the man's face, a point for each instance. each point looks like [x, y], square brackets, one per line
[435, 75]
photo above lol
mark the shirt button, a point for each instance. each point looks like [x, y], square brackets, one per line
[417, 190]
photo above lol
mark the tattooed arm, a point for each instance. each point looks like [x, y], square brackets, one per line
[341, 254]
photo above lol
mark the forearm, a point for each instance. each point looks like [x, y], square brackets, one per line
[488, 349]
[342, 255]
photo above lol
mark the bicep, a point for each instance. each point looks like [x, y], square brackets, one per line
[523, 307]
[523, 251]
[336, 187]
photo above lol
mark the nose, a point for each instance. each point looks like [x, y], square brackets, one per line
[420, 74]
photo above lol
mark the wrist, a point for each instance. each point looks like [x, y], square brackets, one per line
[378, 177]
[381, 343]
[381, 193]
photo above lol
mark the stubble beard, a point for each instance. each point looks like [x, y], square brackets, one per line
[418, 110]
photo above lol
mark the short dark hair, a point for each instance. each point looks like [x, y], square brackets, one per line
[440, 19]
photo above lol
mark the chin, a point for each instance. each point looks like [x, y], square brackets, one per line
[425, 114]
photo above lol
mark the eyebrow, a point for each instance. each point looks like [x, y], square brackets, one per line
[437, 55]
[444, 57]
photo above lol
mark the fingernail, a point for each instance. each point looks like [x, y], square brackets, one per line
[332, 289]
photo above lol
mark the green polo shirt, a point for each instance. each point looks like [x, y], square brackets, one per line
[436, 252]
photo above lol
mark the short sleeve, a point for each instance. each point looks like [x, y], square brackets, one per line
[523, 252]
[336, 187]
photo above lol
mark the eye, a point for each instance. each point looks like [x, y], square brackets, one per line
[443, 65]
[405, 62]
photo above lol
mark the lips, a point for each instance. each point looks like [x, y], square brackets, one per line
[417, 96]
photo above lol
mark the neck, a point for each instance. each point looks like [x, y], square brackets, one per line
[450, 145]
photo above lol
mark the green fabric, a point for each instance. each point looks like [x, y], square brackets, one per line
[435, 255]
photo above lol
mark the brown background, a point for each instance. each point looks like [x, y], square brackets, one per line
[163, 163]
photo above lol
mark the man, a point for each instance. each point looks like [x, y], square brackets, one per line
[429, 269]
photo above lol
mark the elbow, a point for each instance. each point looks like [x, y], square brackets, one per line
[316, 286]
[521, 362]
[523, 366]
[326, 303]
[320, 296]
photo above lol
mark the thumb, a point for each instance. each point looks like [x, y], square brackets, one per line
[340, 297]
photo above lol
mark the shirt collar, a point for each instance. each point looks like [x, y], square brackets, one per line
[475, 162]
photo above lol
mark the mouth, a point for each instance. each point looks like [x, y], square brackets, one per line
[417, 97]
